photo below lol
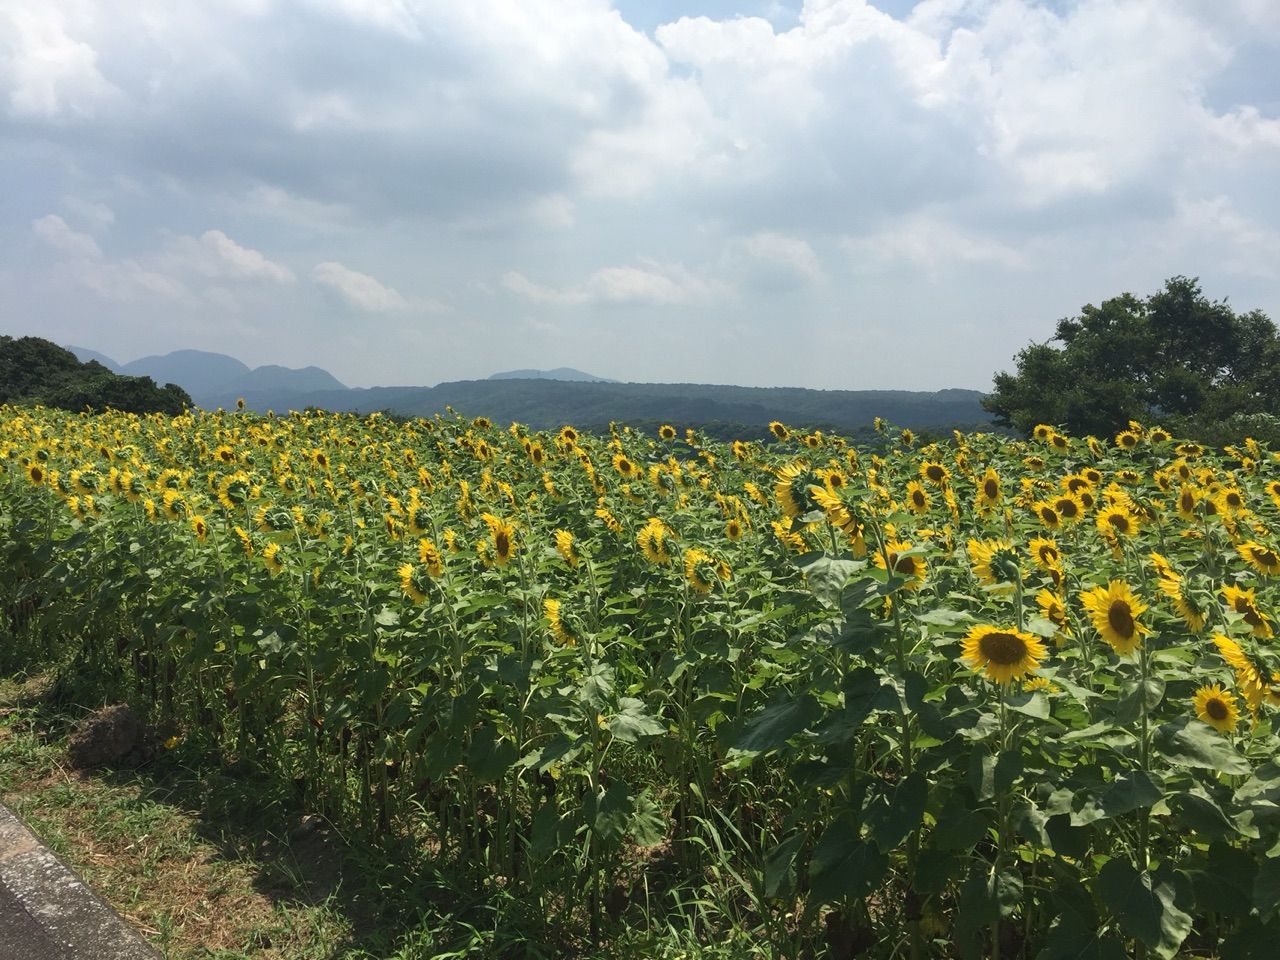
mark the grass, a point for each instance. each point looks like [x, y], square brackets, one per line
[203, 875]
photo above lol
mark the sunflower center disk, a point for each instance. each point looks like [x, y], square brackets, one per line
[1216, 709]
[1003, 649]
[1120, 618]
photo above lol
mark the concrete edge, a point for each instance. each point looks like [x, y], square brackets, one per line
[70, 914]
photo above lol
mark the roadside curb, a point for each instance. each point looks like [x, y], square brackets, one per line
[47, 912]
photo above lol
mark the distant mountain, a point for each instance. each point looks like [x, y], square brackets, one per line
[567, 374]
[196, 371]
[546, 404]
[33, 370]
[546, 399]
[85, 355]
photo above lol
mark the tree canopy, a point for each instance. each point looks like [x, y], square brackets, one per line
[1176, 357]
[33, 370]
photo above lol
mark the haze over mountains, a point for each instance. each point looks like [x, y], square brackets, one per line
[545, 399]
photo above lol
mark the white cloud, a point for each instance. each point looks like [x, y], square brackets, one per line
[359, 289]
[166, 273]
[929, 243]
[784, 253]
[45, 72]
[97, 215]
[215, 255]
[53, 230]
[652, 284]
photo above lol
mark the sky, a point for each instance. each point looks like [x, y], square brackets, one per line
[839, 194]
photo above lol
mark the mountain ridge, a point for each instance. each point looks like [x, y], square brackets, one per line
[546, 402]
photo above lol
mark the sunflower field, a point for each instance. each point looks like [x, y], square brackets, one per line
[980, 698]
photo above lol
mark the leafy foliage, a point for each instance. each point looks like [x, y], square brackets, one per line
[33, 370]
[1175, 356]
[598, 673]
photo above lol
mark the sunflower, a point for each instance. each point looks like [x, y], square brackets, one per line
[917, 499]
[791, 539]
[610, 522]
[1158, 435]
[1068, 507]
[733, 529]
[1161, 565]
[1047, 515]
[35, 473]
[567, 436]
[792, 488]
[1245, 602]
[989, 490]
[502, 535]
[1095, 447]
[411, 583]
[624, 465]
[1126, 440]
[779, 430]
[1044, 552]
[667, 432]
[271, 559]
[934, 472]
[1054, 610]
[1273, 491]
[430, 558]
[1003, 653]
[994, 562]
[246, 542]
[1114, 610]
[1263, 559]
[1116, 521]
[652, 539]
[1217, 707]
[700, 570]
[551, 610]
[1230, 501]
[1187, 502]
[1174, 587]
[564, 547]
[1043, 431]
[1041, 685]
[911, 567]
[200, 527]
[1249, 678]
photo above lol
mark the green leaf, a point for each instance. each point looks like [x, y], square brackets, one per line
[942, 617]
[1129, 709]
[827, 576]
[489, 758]
[648, 826]
[633, 723]
[779, 866]
[1190, 742]
[1070, 938]
[894, 814]
[1266, 887]
[1030, 704]
[386, 617]
[597, 689]
[777, 723]
[611, 812]
[843, 865]
[1144, 908]
[1131, 790]
[1226, 884]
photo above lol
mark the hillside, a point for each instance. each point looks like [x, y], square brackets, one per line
[33, 370]
[547, 404]
[198, 371]
[568, 374]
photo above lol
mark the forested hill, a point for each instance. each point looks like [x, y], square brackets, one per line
[546, 404]
[33, 370]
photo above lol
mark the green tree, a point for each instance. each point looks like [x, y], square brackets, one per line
[33, 370]
[1177, 357]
